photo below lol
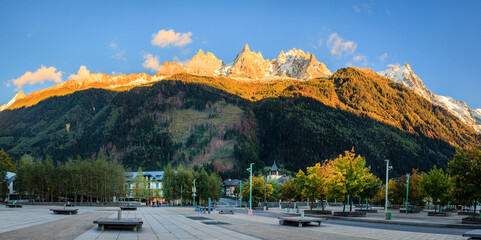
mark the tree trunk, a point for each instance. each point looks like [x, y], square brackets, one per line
[350, 206]
[322, 205]
[345, 202]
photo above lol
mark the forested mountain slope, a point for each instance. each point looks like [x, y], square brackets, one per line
[224, 124]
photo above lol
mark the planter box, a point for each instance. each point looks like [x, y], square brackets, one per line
[437, 214]
[415, 210]
[470, 220]
[348, 214]
[318, 212]
[260, 208]
[467, 213]
[367, 211]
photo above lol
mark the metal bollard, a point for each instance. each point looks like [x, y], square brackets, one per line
[119, 215]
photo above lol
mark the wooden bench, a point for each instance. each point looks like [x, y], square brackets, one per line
[14, 205]
[127, 223]
[64, 211]
[474, 234]
[226, 211]
[299, 220]
[128, 208]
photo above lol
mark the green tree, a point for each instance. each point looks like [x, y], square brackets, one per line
[288, 190]
[139, 185]
[466, 171]
[276, 187]
[436, 185]
[397, 189]
[215, 183]
[6, 163]
[371, 188]
[257, 190]
[169, 183]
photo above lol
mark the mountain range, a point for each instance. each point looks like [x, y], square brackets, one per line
[460, 109]
[291, 110]
[248, 66]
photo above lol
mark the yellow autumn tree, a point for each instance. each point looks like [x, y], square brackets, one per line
[315, 186]
[349, 176]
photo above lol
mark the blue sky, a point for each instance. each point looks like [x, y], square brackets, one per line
[441, 40]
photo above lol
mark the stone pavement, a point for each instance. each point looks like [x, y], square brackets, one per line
[37, 222]
[269, 228]
[27, 216]
[161, 223]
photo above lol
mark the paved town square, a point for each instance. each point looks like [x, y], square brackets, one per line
[37, 222]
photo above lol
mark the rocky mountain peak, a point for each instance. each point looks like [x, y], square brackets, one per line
[18, 96]
[408, 78]
[169, 68]
[203, 64]
[249, 64]
[298, 64]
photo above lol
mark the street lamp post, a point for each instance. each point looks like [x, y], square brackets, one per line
[407, 192]
[193, 193]
[250, 189]
[240, 194]
[387, 186]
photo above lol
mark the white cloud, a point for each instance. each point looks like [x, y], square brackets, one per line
[365, 8]
[119, 55]
[356, 8]
[338, 46]
[165, 38]
[393, 65]
[360, 58]
[383, 57]
[83, 74]
[40, 76]
[113, 45]
[151, 62]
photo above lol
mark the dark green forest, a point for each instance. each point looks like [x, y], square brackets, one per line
[193, 124]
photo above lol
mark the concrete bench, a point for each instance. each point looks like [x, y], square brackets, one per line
[226, 211]
[14, 205]
[318, 212]
[202, 209]
[474, 234]
[64, 211]
[349, 214]
[299, 221]
[367, 211]
[128, 208]
[437, 214]
[127, 223]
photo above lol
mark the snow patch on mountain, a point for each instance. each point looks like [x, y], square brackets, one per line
[460, 109]
[18, 96]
